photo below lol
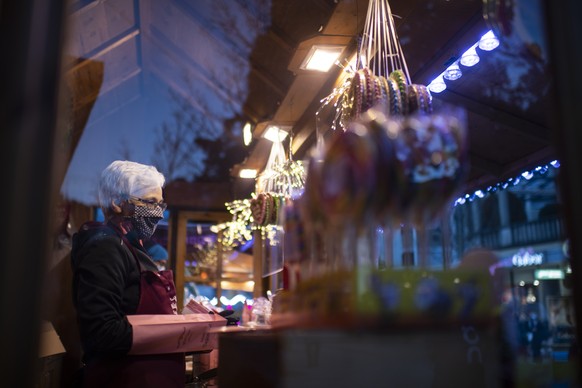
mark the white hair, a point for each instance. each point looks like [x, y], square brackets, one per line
[122, 179]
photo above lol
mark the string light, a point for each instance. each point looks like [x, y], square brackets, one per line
[453, 72]
[437, 85]
[528, 174]
[469, 58]
[488, 41]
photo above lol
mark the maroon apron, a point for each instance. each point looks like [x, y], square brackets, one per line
[157, 296]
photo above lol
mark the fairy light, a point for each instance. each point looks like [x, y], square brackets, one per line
[528, 174]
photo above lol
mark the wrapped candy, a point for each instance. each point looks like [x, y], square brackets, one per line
[403, 168]
[347, 177]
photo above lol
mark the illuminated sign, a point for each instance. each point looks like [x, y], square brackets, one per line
[524, 258]
[544, 274]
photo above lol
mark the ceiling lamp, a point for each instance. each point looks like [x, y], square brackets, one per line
[321, 58]
[453, 72]
[437, 85]
[470, 57]
[488, 41]
[248, 173]
[275, 133]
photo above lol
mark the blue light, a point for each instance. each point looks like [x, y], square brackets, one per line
[488, 41]
[469, 58]
[437, 85]
[513, 181]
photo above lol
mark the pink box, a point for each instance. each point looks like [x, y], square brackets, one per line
[156, 334]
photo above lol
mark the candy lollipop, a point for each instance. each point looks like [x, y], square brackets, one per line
[439, 173]
[407, 156]
[347, 176]
[382, 197]
[427, 172]
[310, 204]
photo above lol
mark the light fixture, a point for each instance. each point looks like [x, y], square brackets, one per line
[511, 181]
[437, 85]
[488, 41]
[453, 72]
[248, 173]
[275, 133]
[470, 57]
[247, 134]
[321, 58]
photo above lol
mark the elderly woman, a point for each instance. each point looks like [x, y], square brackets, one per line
[114, 277]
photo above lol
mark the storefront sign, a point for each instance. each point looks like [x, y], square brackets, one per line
[545, 274]
[524, 258]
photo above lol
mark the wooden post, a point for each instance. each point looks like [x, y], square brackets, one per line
[219, 259]
[564, 32]
[258, 264]
[181, 242]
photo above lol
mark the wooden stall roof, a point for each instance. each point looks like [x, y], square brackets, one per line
[505, 95]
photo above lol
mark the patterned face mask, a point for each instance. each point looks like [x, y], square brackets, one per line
[145, 220]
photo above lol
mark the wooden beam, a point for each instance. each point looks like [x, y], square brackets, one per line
[258, 265]
[517, 124]
[485, 165]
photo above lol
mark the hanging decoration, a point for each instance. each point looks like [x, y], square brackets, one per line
[393, 157]
[282, 179]
[380, 76]
[282, 175]
[238, 231]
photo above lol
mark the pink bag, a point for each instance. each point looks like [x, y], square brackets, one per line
[157, 334]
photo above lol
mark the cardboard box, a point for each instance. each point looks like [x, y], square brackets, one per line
[157, 334]
[51, 352]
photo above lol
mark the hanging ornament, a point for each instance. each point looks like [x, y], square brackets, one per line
[381, 78]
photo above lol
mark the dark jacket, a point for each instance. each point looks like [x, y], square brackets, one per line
[106, 282]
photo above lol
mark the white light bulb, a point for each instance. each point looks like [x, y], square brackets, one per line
[488, 41]
[437, 85]
[453, 72]
[469, 57]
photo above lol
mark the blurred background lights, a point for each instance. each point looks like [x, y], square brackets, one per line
[247, 134]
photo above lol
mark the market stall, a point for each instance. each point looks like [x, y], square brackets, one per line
[432, 106]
